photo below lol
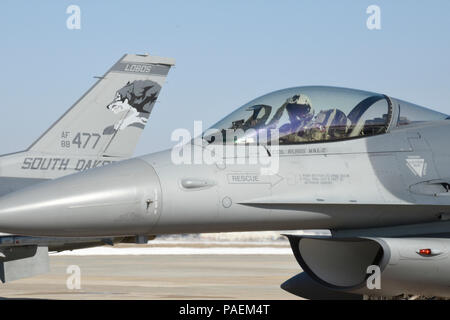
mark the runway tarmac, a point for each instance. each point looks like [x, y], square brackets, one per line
[199, 276]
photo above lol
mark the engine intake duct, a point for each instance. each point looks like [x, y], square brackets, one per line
[418, 266]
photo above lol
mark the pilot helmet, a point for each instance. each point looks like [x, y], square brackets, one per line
[299, 107]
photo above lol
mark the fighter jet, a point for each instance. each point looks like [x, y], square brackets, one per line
[101, 128]
[371, 168]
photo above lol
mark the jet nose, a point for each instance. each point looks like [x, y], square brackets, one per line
[118, 199]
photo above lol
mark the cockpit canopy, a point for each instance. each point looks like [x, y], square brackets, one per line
[315, 114]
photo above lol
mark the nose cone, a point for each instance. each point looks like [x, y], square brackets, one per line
[118, 199]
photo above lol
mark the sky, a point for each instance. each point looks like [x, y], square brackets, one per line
[227, 53]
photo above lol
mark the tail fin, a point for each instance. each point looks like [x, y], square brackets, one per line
[108, 120]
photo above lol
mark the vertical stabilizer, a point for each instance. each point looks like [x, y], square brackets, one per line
[108, 120]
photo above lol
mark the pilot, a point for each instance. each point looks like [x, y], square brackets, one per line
[300, 114]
